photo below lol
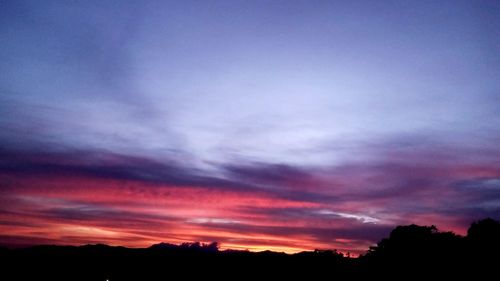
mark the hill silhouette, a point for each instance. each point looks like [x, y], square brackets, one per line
[409, 251]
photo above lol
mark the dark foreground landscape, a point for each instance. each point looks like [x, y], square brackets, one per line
[409, 251]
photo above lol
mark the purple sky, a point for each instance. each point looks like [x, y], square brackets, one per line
[340, 119]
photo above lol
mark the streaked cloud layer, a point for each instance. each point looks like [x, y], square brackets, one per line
[261, 125]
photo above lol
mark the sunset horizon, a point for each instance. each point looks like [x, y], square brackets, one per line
[286, 126]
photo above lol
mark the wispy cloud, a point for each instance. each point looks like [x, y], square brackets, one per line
[68, 192]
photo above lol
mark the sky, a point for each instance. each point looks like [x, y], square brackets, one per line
[263, 125]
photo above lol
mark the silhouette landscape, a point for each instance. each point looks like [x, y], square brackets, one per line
[417, 250]
[234, 139]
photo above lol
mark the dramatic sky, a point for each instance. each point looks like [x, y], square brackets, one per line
[281, 125]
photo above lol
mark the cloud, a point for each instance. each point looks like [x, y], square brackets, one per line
[60, 193]
[268, 174]
[106, 165]
[212, 221]
[480, 184]
[361, 218]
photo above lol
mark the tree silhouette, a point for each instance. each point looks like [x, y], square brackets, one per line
[483, 244]
[484, 232]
